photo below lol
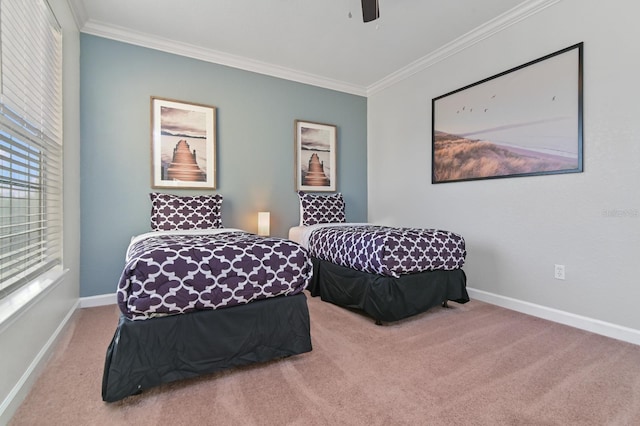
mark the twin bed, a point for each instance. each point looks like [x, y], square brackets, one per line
[390, 273]
[196, 298]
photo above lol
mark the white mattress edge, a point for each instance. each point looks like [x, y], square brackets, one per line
[301, 234]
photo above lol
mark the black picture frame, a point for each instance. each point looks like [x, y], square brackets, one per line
[526, 121]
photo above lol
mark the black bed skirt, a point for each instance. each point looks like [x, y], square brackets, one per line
[386, 298]
[147, 353]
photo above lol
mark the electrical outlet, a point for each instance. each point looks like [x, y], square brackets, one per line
[559, 272]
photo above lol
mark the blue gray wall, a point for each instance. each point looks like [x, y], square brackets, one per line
[255, 146]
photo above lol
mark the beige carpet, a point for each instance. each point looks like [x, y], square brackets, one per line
[473, 364]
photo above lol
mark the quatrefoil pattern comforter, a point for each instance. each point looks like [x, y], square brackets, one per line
[175, 272]
[388, 251]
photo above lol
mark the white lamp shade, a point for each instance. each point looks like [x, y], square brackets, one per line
[264, 219]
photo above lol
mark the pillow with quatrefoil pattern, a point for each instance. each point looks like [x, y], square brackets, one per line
[321, 208]
[172, 212]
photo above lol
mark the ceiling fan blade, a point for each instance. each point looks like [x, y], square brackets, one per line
[370, 10]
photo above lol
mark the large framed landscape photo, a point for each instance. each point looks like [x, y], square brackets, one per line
[183, 144]
[526, 121]
[315, 156]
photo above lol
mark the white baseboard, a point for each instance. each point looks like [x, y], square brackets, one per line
[21, 389]
[19, 392]
[101, 300]
[584, 323]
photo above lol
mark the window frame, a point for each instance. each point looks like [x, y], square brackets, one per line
[30, 116]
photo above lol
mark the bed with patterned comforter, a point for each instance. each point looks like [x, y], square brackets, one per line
[198, 301]
[386, 250]
[388, 272]
[175, 272]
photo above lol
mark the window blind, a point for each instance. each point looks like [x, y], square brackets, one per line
[30, 142]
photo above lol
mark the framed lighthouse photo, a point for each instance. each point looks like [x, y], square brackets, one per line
[315, 156]
[183, 145]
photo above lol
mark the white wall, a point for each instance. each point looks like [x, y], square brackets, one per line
[27, 339]
[516, 229]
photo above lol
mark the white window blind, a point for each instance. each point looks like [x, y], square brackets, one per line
[30, 142]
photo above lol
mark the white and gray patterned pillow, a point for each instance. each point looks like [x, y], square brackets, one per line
[321, 208]
[172, 212]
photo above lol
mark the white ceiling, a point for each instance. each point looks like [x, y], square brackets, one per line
[311, 41]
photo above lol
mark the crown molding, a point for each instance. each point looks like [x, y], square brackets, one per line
[78, 11]
[484, 31]
[461, 43]
[170, 46]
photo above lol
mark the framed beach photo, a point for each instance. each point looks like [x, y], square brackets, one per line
[183, 145]
[315, 156]
[526, 121]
